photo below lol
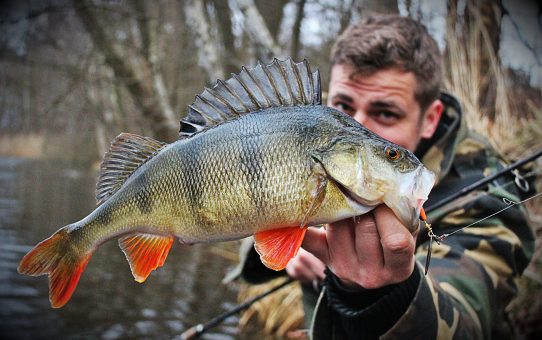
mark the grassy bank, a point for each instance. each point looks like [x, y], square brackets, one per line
[22, 145]
[72, 149]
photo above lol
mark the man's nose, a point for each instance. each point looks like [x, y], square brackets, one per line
[361, 117]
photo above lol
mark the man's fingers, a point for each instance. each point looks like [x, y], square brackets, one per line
[398, 244]
[298, 271]
[315, 242]
[342, 249]
[312, 263]
[367, 240]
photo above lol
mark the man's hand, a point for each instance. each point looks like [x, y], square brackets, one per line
[371, 251]
[306, 267]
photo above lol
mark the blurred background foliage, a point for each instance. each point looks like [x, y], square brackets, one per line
[73, 75]
[81, 72]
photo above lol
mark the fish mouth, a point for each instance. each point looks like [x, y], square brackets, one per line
[413, 191]
[406, 202]
[420, 193]
[355, 201]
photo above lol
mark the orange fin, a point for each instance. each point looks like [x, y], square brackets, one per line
[277, 246]
[64, 264]
[145, 252]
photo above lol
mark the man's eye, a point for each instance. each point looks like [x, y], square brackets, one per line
[344, 108]
[385, 117]
[386, 114]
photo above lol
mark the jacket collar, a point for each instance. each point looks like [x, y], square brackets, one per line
[437, 153]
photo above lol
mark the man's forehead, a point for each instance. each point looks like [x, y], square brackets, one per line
[385, 82]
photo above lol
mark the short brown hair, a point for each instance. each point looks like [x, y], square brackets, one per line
[391, 41]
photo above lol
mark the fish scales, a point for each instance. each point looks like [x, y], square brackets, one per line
[289, 164]
[239, 178]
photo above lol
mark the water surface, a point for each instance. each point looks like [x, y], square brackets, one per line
[37, 198]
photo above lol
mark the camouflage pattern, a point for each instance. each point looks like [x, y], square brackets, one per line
[473, 273]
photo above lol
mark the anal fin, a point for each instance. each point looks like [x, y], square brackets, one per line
[145, 252]
[277, 246]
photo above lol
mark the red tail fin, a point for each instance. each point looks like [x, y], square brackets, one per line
[63, 262]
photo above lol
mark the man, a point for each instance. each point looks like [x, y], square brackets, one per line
[386, 74]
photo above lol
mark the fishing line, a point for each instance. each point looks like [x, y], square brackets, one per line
[507, 201]
[440, 238]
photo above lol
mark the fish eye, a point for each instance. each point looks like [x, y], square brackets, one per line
[392, 153]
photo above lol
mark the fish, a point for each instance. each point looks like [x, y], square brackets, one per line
[257, 154]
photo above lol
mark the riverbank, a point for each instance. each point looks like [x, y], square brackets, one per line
[63, 147]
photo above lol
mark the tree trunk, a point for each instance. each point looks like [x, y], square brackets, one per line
[273, 11]
[208, 53]
[223, 15]
[258, 31]
[294, 50]
[379, 6]
[143, 90]
[346, 14]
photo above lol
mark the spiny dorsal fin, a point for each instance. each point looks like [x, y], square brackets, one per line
[126, 153]
[281, 83]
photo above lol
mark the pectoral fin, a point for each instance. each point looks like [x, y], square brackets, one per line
[316, 185]
[276, 247]
[145, 253]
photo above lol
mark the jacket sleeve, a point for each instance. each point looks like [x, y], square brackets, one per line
[470, 282]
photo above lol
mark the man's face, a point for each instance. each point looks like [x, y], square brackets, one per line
[384, 103]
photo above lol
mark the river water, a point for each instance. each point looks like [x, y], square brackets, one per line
[37, 198]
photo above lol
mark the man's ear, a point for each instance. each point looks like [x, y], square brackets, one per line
[431, 118]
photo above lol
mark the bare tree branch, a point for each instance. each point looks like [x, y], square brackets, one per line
[223, 15]
[144, 93]
[273, 13]
[208, 54]
[379, 6]
[258, 31]
[77, 77]
[294, 50]
[149, 27]
[145, 27]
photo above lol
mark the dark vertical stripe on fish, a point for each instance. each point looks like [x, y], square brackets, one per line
[144, 197]
[192, 169]
[252, 160]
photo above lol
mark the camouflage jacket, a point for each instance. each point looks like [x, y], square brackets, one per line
[472, 274]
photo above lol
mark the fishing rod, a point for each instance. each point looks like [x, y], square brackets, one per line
[485, 180]
[519, 180]
[199, 329]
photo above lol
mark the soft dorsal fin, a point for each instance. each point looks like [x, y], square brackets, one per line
[281, 83]
[126, 153]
